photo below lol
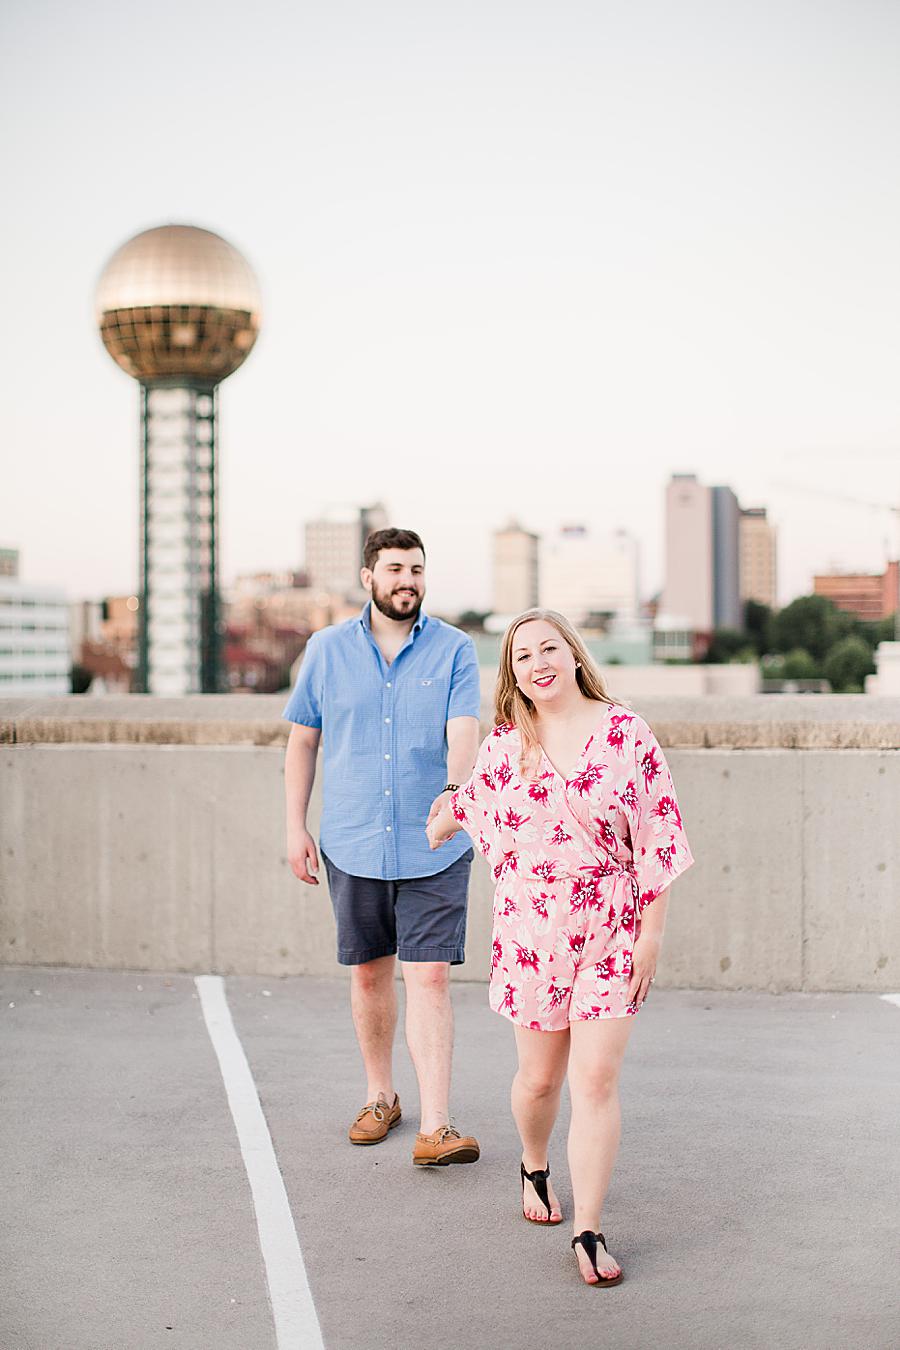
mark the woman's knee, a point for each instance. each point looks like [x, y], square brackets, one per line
[540, 1081]
[595, 1083]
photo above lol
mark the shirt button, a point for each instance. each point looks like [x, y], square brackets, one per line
[387, 684]
[387, 792]
[388, 828]
[387, 756]
[387, 719]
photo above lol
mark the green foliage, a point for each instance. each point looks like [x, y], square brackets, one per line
[757, 622]
[799, 665]
[812, 623]
[848, 663]
[472, 620]
[728, 645]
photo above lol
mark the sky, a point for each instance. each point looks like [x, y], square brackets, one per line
[518, 260]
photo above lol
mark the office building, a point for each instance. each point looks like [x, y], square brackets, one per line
[868, 596]
[592, 579]
[514, 570]
[758, 557]
[726, 515]
[35, 650]
[687, 600]
[334, 548]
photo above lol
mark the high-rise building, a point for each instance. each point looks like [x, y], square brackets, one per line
[9, 562]
[334, 547]
[758, 557]
[868, 596]
[702, 589]
[726, 515]
[688, 595]
[35, 649]
[178, 310]
[515, 570]
[587, 576]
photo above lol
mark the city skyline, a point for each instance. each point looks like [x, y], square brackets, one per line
[513, 265]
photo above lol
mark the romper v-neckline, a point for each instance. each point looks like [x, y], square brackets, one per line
[561, 776]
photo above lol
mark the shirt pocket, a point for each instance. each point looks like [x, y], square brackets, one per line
[423, 712]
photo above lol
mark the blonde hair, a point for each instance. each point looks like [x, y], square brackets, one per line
[512, 706]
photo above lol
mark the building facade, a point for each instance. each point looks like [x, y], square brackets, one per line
[726, 515]
[590, 578]
[35, 649]
[868, 596]
[758, 544]
[514, 570]
[334, 548]
[688, 595]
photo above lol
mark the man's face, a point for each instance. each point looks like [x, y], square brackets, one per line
[397, 582]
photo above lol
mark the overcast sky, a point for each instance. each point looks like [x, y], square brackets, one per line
[517, 259]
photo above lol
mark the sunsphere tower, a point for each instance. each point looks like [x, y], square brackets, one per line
[179, 310]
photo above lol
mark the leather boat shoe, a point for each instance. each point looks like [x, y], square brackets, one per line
[374, 1120]
[445, 1146]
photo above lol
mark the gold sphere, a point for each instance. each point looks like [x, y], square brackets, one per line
[178, 303]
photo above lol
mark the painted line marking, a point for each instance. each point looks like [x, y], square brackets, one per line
[296, 1323]
[892, 998]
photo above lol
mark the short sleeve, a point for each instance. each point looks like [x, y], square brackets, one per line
[305, 703]
[659, 844]
[465, 683]
[473, 803]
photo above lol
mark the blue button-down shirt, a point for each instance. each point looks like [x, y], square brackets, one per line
[384, 740]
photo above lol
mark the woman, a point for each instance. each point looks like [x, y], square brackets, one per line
[572, 803]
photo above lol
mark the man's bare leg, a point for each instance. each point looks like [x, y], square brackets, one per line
[429, 1035]
[373, 1001]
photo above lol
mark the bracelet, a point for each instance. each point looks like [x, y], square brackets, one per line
[449, 787]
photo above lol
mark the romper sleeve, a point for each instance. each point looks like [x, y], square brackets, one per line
[474, 804]
[659, 844]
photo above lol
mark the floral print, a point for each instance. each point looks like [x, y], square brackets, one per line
[575, 862]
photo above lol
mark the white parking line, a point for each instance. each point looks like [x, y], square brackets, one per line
[296, 1323]
[892, 998]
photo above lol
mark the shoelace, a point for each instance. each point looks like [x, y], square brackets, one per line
[377, 1109]
[448, 1132]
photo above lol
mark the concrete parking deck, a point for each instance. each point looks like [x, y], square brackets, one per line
[754, 1204]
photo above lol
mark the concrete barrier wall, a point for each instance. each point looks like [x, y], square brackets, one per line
[158, 852]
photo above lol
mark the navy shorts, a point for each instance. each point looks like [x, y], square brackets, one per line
[417, 919]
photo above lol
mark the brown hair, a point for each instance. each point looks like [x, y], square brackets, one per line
[512, 706]
[389, 538]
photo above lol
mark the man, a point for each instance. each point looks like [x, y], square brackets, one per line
[394, 695]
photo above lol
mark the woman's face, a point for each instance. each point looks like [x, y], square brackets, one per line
[542, 662]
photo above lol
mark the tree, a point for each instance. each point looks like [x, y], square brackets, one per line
[848, 663]
[729, 645]
[757, 622]
[799, 665]
[812, 623]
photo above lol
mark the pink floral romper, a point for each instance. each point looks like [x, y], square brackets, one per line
[575, 862]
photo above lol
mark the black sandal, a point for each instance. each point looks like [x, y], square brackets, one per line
[538, 1179]
[589, 1242]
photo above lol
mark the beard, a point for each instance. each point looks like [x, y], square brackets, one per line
[404, 608]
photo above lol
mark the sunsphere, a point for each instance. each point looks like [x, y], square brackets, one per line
[178, 303]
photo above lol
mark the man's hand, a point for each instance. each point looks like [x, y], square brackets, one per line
[302, 856]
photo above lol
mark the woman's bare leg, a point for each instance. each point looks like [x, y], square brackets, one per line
[595, 1058]
[535, 1104]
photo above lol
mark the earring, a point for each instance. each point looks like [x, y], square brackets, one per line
[577, 665]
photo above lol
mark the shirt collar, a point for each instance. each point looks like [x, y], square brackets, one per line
[365, 619]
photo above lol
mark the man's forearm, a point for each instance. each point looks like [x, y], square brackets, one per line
[462, 749]
[299, 776]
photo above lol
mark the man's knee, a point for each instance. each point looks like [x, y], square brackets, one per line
[427, 977]
[372, 977]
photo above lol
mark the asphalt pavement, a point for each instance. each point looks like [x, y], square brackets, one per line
[753, 1206]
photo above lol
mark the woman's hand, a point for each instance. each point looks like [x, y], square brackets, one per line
[643, 967]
